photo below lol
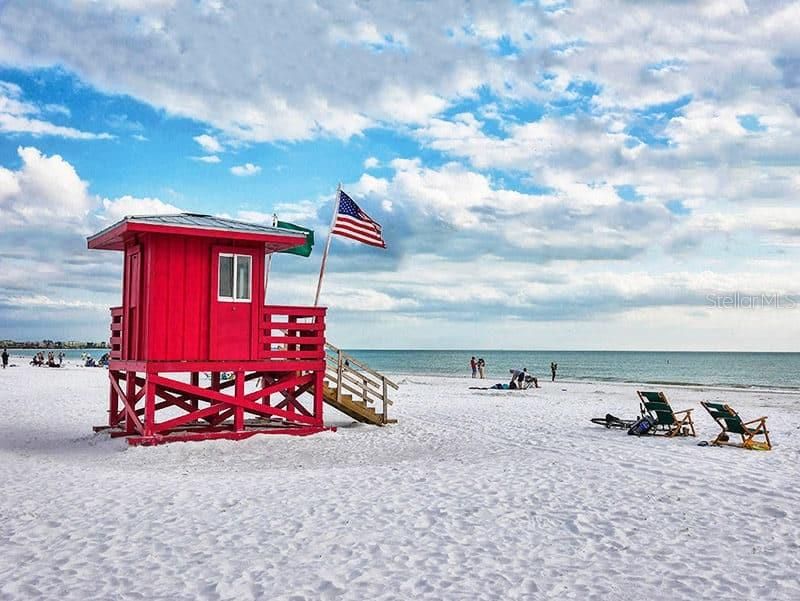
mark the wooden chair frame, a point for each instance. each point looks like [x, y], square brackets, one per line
[681, 419]
[748, 435]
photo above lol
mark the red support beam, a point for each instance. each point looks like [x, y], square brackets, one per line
[212, 421]
[149, 406]
[264, 382]
[189, 417]
[132, 423]
[293, 371]
[113, 399]
[190, 436]
[176, 386]
[223, 415]
[195, 381]
[319, 378]
[238, 413]
[242, 402]
[277, 386]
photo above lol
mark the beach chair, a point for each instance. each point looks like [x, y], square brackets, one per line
[668, 422]
[730, 422]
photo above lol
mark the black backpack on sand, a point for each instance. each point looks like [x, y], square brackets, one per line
[641, 426]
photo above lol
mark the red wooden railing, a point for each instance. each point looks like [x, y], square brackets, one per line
[286, 333]
[292, 333]
[115, 343]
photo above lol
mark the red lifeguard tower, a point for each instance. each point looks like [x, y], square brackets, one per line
[193, 313]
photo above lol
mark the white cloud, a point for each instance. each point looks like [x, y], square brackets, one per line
[212, 7]
[116, 209]
[579, 221]
[57, 108]
[245, 170]
[302, 212]
[207, 159]
[371, 185]
[39, 301]
[384, 56]
[366, 300]
[46, 211]
[130, 5]
[576, 248]
[255, 217]
[409, 106]
[401, 69]
[530, 258]
[724, 8]
[208, 143]
[45, 188]
[49, 280]
[18, 116]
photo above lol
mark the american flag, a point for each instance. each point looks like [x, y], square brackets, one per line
[352, 222]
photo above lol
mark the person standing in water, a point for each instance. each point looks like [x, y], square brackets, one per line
[553, 368]
[473, 364]
[5, 358]
[481, 368]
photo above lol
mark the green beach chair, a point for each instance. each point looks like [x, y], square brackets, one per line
[668, 422]
[730, 422]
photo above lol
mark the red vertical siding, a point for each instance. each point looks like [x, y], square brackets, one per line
[176, 332]
[195, 267]
[258, 303]
[133, 301]
[125, 286]
[203, 266]
[144, 343]
[178, 297]
[158, 295]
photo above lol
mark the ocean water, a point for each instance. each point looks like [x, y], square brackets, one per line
[741, 370]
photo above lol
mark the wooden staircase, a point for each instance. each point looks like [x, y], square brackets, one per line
[355, 389]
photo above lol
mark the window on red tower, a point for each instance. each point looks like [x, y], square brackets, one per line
[234, 277]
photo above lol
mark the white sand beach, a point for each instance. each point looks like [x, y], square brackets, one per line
[472, 495]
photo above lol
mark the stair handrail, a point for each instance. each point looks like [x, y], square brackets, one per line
[374, 390]
[344, 363]
[350, 373]
[366, 368]
[339, 374]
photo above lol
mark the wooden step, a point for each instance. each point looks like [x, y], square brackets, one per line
[331, 390]
[354, 409]
[350, 399]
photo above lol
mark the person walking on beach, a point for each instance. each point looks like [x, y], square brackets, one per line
[553, 368]
[5, 358]
[473, 364]
[481, 368]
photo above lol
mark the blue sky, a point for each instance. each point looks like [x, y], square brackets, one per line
[548, 174]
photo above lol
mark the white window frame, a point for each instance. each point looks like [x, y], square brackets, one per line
[233, 298]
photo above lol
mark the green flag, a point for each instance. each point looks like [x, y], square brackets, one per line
[304, 250]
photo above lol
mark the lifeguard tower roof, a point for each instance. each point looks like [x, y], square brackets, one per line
[195, 224]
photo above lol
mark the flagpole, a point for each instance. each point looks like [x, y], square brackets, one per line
[328, 243]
